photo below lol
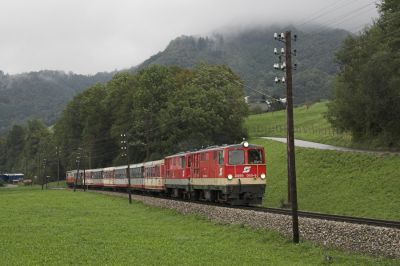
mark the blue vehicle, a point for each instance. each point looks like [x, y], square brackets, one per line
[12, 177]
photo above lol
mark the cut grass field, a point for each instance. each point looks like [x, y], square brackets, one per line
[60, 227]
[335, 182]
[310, 124]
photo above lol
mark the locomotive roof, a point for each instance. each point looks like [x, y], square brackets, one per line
[211, 148]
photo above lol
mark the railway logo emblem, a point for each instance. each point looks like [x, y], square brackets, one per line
[246, 169]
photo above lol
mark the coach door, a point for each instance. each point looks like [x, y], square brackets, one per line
[194, 164]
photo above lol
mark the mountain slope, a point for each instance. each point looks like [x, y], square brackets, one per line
[40, 94]
[250, 54]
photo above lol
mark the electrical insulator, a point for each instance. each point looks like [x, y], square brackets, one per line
[283, 66]
[276, 80]
[295, 67]
[282, 50]
[283, 80]
[282, 35]
[276, 66]
[275, 35]
[275, 51]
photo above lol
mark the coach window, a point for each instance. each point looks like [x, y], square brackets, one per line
[236, 157]
[255, 156]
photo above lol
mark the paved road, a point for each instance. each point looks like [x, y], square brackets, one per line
[320, 146]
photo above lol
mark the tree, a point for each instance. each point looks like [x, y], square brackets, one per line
[163, 110]
[209, 109]
[366, 91]
[21, 149]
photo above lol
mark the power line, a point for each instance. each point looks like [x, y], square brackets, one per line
[324, 13]
[339, 20]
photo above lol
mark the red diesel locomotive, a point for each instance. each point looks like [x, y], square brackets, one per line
[233, 174]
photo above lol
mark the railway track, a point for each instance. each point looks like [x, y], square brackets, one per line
[305, 214]
[330, 217]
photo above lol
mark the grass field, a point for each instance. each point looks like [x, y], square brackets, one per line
[310, 124]
[336, 182]
[60, 227]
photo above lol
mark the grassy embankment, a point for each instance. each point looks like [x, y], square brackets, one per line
[336, 182]
[328, 181]
[60, 227]
[310, 124]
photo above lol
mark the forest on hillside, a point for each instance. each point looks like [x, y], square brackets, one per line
[40, 95]
[250, 54]
[163, 110]
[367, 88]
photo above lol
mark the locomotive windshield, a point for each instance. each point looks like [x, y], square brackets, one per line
[254, 156]
[236, 157]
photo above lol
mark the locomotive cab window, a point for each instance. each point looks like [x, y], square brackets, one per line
[254, 156]
[220, 157]
[183, 161]
[236, 157]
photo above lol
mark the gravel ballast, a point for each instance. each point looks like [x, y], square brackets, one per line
[365, 239]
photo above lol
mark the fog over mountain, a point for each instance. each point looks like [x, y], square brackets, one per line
[49, 41]
[41, 95]
[102, 35]
[249, 52]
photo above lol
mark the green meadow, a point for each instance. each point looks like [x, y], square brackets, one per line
[60, 227]
[310, 124]
[334, 182]
[346, 183]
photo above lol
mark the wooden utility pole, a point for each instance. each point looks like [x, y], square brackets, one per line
[290, 136]
[77, 161]
[58, 165]
[125, 152]
[39, 167]
[286, 38]
[84, 178]
[44, 173]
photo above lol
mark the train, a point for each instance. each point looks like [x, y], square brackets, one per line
[228, 174]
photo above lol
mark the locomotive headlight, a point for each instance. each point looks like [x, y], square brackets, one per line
[245, 144]
[230, 177]
[262, 176]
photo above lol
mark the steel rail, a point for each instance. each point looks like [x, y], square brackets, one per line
[329, 217]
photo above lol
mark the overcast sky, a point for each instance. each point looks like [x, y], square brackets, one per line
[88, 36]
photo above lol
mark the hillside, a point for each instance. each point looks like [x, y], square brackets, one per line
[250, 54]
[42, 94]
[328, 181]
[335, 182]
[309, 122]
